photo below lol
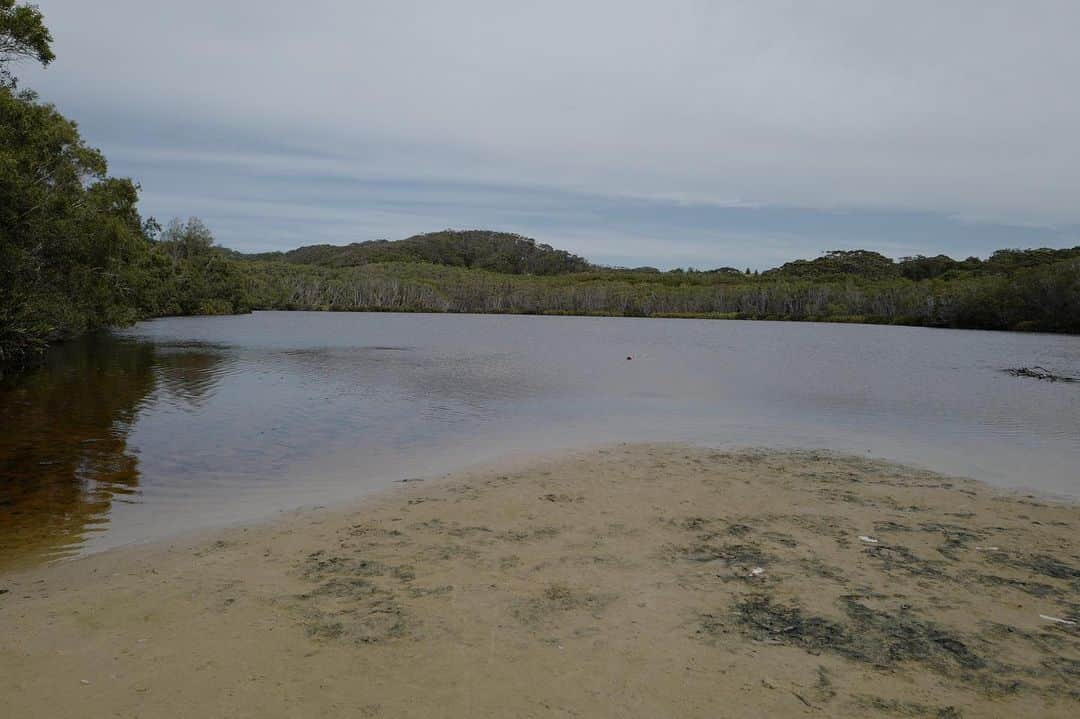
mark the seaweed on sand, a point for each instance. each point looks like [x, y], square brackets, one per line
[882, 639]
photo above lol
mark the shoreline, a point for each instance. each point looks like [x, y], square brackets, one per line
[725, 316]
[518, 459]
[621, 581]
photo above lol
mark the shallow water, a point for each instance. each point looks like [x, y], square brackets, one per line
[194, 422]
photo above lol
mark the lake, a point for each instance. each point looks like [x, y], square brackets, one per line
[185, 423]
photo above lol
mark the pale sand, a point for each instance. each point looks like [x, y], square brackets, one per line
[615, 583]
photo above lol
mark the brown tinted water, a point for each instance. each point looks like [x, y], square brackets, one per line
[64, 457]
[196, 422]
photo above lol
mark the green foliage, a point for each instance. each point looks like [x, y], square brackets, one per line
[189, 275]
[1034, 297]
[23, 35]
[478, 249]
[74, 253]
[70, 236]
[927, 268]
[856, 263]
[1004, 261]
[1044, 297]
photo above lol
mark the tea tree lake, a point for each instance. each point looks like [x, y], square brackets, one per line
[188, 423]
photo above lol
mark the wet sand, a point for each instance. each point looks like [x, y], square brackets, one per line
[637, 581]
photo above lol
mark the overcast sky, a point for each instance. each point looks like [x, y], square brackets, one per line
[668, 133]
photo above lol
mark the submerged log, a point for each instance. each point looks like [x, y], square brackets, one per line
[1038, 372]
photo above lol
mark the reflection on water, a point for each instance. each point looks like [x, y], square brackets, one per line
[187, 374]
[64, 455]
[194, 422]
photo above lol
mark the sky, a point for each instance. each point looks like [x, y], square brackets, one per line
[666, 133]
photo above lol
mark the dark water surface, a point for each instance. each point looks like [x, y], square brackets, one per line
[192, 422]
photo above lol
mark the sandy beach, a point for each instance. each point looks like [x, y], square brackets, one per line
[633, 581]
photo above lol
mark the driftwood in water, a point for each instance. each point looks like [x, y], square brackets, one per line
[1037, 372]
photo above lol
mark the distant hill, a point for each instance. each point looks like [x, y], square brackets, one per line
[477, 249]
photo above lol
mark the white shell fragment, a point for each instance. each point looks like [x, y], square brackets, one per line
[868, 540]
[1057, 620]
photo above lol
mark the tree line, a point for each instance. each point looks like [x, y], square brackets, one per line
[1042, 297]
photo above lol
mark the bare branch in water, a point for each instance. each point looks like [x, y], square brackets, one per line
[1038, 372]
